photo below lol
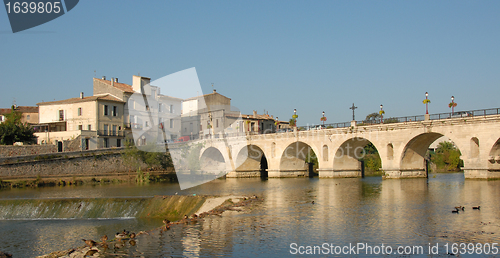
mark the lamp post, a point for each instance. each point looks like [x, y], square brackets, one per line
[323, 118]
[295, 116]
[248, 122]
[452, 105]
[426, 102]
[381, 112]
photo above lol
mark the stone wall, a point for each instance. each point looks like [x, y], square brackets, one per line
[24, 150]
[92, 164]
[27, 150]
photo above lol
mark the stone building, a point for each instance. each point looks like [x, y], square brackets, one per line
[29, 114]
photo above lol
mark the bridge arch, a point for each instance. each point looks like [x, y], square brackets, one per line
[295, 157]
[212, 160]
[413, 158]
[494, 157]
[347, 160]
[251, 161]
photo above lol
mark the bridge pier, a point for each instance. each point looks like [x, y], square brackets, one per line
[344, 173]
[286, 173]
[478, 173]
[244, 173]
[406, 173]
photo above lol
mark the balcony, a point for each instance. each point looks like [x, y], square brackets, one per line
[110, 133]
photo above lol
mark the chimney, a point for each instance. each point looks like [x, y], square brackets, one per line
[215, 91]
[81, 95]
[254, 113]
[104, 77]
[112, 81]
[116, 79]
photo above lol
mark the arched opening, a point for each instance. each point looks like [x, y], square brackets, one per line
[390, 151]
[251, 161]
[211, 161]
[357, 157]
[300, 159]
[325, 153]
[494, 158]
[430, 152]
[474, 147]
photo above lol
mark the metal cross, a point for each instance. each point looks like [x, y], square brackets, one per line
[353, 107]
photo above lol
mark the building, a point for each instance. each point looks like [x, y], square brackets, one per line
[145, 108]
[29, 114]
[97, 120]
[261, 124]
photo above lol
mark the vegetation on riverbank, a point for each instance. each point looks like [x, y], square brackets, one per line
[446, 158]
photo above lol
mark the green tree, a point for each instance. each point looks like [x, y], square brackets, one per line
[447, 157]
[373, 117]
[13, 130]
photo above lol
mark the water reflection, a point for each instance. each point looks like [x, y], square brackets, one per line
[369, 210]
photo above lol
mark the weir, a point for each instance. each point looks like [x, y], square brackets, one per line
[169, 207]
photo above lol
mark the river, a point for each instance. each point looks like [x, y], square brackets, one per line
[405, 213]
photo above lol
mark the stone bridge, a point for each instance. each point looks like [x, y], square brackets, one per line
[402, 148]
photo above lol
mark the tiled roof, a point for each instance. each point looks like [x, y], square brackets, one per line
[85, 99]
[256, 117]
[22, 109]
[213, 93]
[121, 86]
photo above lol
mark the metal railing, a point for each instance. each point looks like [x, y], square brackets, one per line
[110, 133]
[389, 120]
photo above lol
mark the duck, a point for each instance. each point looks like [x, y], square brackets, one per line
[455, 211]
[125, 232]
[89, 242]
[104, 238]
[460, 207]
[185, 216]
[132, 235]
[90, 252]
[312, 202]
[476, 207]
[120, 235]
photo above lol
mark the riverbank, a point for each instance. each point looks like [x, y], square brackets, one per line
[197, 208]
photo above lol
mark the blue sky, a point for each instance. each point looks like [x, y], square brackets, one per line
[275, 55]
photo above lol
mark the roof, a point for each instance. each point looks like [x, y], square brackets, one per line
[85, 99]
[209, 94]
[121, 86]
[22, 109]
[256, 117]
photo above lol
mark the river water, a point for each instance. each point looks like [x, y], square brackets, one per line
[406, 213]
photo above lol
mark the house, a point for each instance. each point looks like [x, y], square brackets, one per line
[261, 124]
[145, 108]
[29, 114]
[97, 120]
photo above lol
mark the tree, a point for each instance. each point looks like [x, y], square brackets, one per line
[13, 130]
[447, 157]
[373, 117]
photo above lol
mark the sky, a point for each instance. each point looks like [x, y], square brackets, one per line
[276, 56]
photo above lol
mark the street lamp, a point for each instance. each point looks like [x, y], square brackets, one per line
[248, 122]
[381, 112]
[426, 102]
[323, 119]
[295, 116]
[452, 105]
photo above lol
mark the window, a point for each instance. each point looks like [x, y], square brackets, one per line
[28, 117]
[146, 124]
[217, 123]
[114, 129]
[106, 143]
[105, 110]
[118, 142]
[61, 115]
[171, 108]
[159, 107]
[115, 110]
[171, 123]
[80, 127]
[190, 127]
[105, 129]
[89, 127]
[79, 111]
